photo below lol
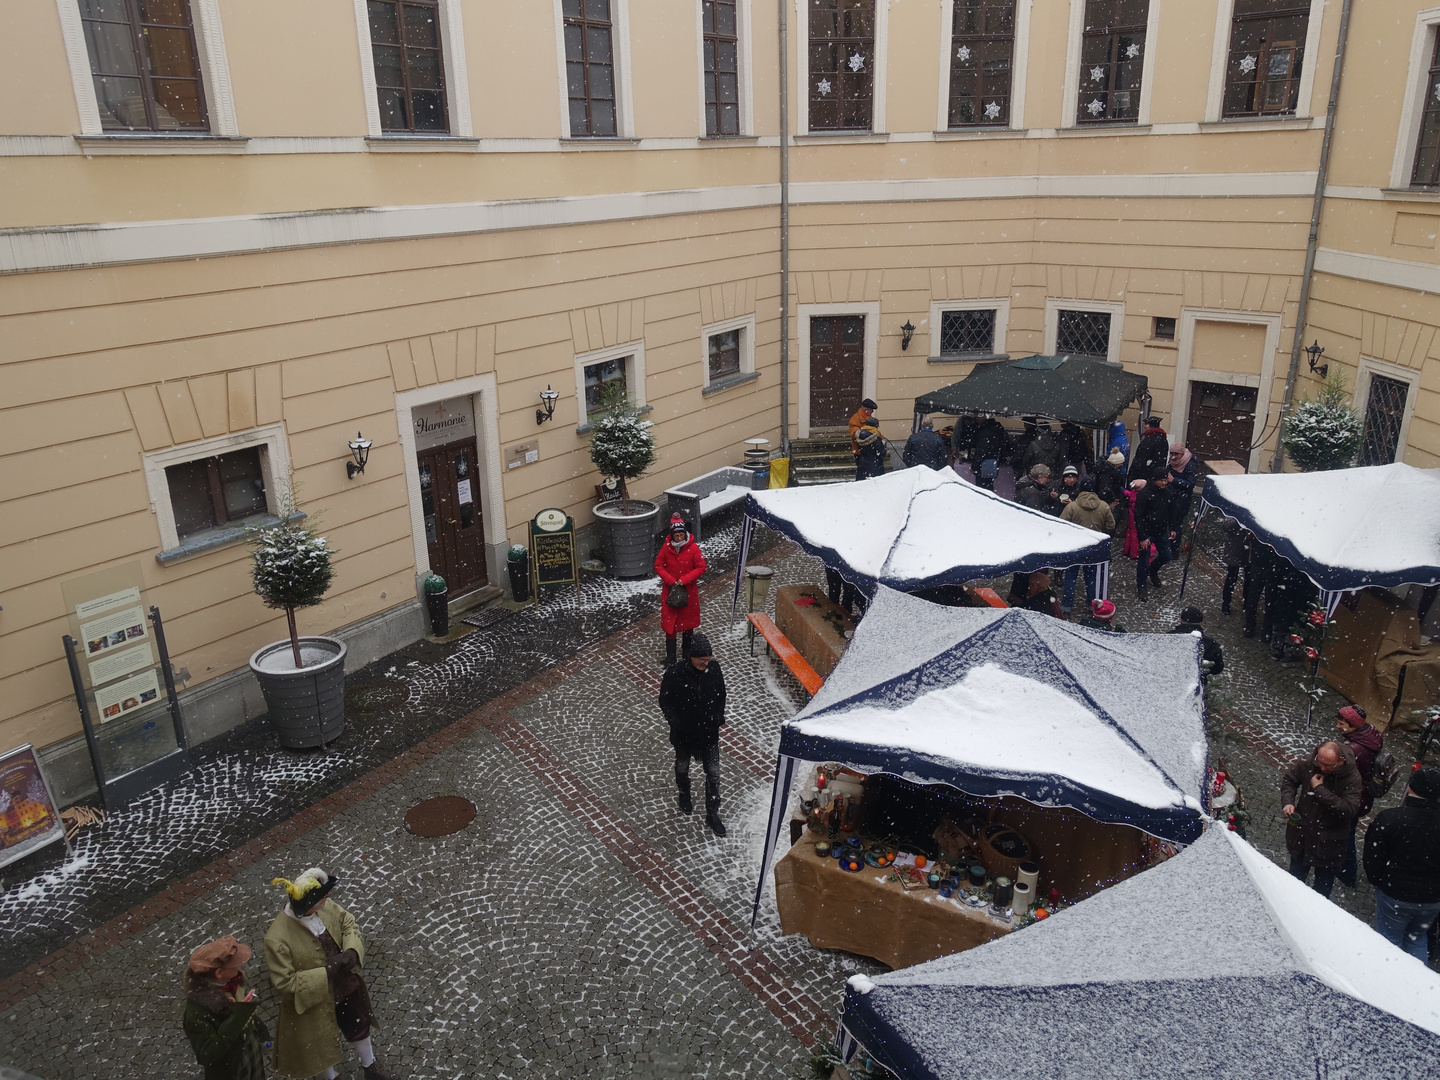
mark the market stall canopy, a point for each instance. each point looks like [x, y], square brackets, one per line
[1017, 703]
[1215, 963]
[1346, 529]
[918, 528]
[1080, 389]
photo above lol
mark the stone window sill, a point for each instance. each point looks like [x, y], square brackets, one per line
[598, 142]
[422, 144]
[981, 131]
[730, 382]
[214, 539]
[968, 358]
[152, 143]
[1116, 127]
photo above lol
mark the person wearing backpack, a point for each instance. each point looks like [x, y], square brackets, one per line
[1402, 861]
[1367, 743]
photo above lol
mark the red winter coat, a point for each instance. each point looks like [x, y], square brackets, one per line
[680, 568]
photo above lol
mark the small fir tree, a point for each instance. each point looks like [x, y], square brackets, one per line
[290, 567]
[1325, 433]
[621, 444]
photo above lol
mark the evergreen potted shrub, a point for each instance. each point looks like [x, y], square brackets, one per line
[622, 445]
[302, 678]
[1325, 433]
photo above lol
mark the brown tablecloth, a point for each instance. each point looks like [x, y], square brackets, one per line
[817, 630]
[862, 913]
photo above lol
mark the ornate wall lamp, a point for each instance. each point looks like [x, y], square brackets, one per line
[548, 398]
[360, 452]
[1315, 352]
[906, 333]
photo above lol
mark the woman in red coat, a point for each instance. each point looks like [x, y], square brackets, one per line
[680, 565]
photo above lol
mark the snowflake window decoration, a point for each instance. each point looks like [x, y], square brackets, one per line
[1247, 64]
[992, 111]
[856, 62]
[1437, 91]
[1095, 108]
[823, 87]
[1097, 73]
[1132, 51]
[964, 53]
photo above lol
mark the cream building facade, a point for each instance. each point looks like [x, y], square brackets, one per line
[236, 233]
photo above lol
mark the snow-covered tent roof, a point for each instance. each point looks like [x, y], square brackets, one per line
[1215, 963]
[1345, 529]
[919, 528]
[1017, 703]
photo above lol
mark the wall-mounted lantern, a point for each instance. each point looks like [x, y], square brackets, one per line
[360, 453]
[548, 398]
[906, 333]
[1317, 368]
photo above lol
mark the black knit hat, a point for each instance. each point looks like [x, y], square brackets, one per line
[1192, 615]
[699, 646]
[1425, 785]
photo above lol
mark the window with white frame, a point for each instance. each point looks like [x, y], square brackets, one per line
[1112, 61]
[842, 64]
[1386, 395]
[608, 375]
[1426, 172]
[968, 329]
[1267, 46]
[148, 67]
[729, 351]
[1090, 328]
[205, 493]
[590, 67]
[720, 49]
[409, 65]
[982, 46]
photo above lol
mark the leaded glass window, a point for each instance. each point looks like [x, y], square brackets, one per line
[1083, 333]
[967, 333]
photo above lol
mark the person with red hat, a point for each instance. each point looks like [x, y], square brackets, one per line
[228, 1038]
[314, 952]
[1102, 617]
[680, 566]
[1366, 741]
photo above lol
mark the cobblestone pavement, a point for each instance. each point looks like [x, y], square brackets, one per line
[581, 926]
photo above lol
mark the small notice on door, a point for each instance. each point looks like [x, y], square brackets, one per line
[462, 492]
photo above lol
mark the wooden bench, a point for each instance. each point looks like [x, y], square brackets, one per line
[708, 494]
[780, 645]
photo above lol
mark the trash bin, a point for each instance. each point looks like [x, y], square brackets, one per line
[759, 475]
[437, 602]
[518, 565]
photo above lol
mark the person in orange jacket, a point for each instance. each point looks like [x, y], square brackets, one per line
[680, 565]
[857, 421]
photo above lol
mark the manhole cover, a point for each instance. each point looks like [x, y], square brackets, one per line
[378, 695]
[440, 816]
[486, 617]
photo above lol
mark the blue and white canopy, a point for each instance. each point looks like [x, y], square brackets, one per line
[1215, 963]
[1346, 529]
[1012, 703]
[919, 528]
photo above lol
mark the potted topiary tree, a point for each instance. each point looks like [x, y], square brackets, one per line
[622, 445]
[302, 678]
[1325, 433]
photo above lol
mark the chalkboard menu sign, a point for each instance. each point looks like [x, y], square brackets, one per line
[552, 550]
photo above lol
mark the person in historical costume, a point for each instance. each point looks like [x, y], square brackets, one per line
[225, 1033]
[314, 952]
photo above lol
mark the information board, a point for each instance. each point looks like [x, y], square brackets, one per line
[552, 551]
[28, 818]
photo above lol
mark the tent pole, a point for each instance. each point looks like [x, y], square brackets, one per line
[1190, 551]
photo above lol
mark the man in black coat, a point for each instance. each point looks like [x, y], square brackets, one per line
[1152, 456]
[1191, 622]
[925, 448]
[1321, 795]
[1402, 861]
[1152, 528]
[692, 697]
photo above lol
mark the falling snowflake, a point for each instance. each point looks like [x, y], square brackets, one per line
[823, 87]
[1247, 64]
[856, 62]
[1132, 51]
[1096, 107]
[992, 111]
[964, 53]
[1097, 73]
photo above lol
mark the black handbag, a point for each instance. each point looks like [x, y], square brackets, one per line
[678, 596]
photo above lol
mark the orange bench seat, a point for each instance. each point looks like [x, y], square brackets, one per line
[780, 645]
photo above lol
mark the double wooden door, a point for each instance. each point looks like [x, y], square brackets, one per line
[450, 504]
[837, 368]
[1221, 422]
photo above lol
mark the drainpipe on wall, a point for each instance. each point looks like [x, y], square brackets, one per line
[785, 231]
[1303, 308]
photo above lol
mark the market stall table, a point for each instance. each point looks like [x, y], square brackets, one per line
[865, 914]
[814, 625]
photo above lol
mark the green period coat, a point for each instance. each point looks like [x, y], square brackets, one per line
[307, 1039]
[227, 1037]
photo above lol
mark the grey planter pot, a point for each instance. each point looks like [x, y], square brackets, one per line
[307, 706]
[629, 539]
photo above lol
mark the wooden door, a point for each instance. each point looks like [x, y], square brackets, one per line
[1221, 422]
[450, 505]
[837, 368]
